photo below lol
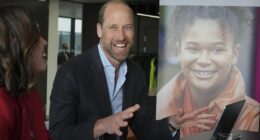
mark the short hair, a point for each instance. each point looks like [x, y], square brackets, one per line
[65, 46]
[103, 8]
[235, 20]
[18, 35]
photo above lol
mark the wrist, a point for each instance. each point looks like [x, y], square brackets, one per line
[172, 124]
[172, 129]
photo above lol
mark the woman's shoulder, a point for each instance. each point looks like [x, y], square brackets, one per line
[251, 107]
[8, 108]
[32, 94]
[6, 101]
[249, 119]
[251, 102]
[32, 100]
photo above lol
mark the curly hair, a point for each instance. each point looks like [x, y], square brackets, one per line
[235, 20]
[18, 35]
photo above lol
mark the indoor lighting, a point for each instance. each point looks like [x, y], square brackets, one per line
[146, 15]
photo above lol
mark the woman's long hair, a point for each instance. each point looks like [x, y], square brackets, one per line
[18, 35]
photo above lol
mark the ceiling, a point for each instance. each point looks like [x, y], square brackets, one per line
[95, 1]
[69, 9]
[74, 8]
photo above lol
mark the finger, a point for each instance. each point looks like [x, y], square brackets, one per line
[118, 132]
[203, 127]
[122, 123]
[126, 115]
[129, 112]
[197, 115]
[185, 117]
[192, 114]
[206, 121]
[207, 116]
[199, 111]
[133, 109]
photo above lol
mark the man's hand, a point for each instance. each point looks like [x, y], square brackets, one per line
[113, 123]
[199, 118]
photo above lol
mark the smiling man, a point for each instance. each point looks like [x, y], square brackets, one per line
[207, 40]
[99, 94]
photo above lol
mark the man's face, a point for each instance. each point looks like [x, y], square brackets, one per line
[206, 54]
[117, 32]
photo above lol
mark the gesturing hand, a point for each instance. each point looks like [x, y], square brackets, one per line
[199, 118]
[113, 123]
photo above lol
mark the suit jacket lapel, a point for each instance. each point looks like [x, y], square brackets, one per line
[99, 80]
[128, 89]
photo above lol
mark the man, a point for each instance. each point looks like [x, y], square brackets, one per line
[208, 41]
[63, 56]
[98, 94]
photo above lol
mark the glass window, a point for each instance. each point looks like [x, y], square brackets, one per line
[64, 31]
[69, 32]
[78, 30]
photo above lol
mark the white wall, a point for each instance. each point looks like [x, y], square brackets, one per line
[52, 48]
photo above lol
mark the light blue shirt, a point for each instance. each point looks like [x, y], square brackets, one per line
[115, 91]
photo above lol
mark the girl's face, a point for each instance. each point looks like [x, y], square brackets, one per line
[39, 56]
[206, 54]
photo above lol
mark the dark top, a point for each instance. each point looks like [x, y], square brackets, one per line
[22, 118]
[63, 57]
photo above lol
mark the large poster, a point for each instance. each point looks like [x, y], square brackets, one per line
[206, 59]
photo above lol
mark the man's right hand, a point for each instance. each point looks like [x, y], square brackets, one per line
[113, 123]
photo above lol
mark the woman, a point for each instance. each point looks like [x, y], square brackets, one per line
[22, 57]
[208, 41]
